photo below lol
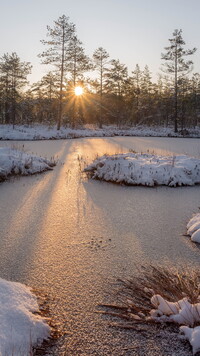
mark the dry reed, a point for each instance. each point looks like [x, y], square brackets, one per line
[132, 297]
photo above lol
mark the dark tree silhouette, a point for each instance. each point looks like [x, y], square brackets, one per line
[100, 58]
[13, 78]
[57, 53]
[177, 65]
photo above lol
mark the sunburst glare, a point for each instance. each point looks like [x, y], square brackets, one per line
[78, 90]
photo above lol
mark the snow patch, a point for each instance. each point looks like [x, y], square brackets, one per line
[183, 313]
[193, 336]
[193, 228]
[20, 329]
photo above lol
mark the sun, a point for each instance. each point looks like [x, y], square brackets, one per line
[78, 91]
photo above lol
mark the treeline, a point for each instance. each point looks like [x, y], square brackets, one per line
[110, 94]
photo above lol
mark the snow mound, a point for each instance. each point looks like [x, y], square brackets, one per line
[20, 329]
[183, 313]
[193, 228]
[146, 169]
[193, 336]
[15, 162]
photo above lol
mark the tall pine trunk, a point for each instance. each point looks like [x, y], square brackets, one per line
[61, 82]
[176, 94]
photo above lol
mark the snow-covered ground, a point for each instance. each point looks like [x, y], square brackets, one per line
[21, 327]
[193, 228]
[181, 312]
[15, 162]
[42, 132]
[146, 169]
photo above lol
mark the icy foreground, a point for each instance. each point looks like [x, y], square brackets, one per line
[42, 132]
[183, 313]
[15, 162]
[193, 228]
[146, 169]
[20, 329]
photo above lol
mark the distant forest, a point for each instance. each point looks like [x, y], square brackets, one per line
[110, 95]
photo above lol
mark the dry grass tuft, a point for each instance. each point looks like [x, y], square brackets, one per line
[133, 296]
[44, 302]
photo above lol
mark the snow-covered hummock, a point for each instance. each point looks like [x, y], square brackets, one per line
[183, 313]
[146, 169]
[20, 329]
[42, 132]
[193, 336]
[15, 162]
[193, 228]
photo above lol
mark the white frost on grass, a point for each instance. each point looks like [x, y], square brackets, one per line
[183, 313]
[15, 162]
[42, 132]
[146, 169]
[20, 328]
[193, 228]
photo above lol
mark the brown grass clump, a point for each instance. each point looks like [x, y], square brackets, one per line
[133, 296]
[55, 334]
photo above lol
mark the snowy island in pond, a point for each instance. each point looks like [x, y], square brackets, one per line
[193, 228]
[146, 169]
[15, 162]
[20, 328]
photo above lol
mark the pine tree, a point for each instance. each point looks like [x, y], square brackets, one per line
[167, 99]
[117, 76]
[136, 79]
[116, 82]
[76, 65]
[177, 65]
[77, 61]
[148, 89]
[136, 92]
[195, 98]
[57, 53]
[46, 93]
[146, 83]
[48, 85]
[13, 77]
[100, 58]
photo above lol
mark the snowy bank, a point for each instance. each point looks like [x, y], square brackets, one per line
[15, 162]
[193, 228]
[146, 169]
[20, 328]
[42, 132]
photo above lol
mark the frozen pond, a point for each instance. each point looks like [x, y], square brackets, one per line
[71, 237]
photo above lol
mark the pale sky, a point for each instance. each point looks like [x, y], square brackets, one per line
[133, 31]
